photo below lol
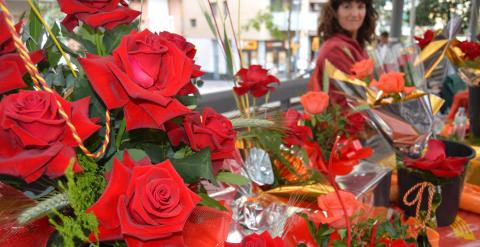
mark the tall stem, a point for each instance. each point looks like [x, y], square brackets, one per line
[336, 189]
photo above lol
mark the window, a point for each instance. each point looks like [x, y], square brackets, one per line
[193, 22]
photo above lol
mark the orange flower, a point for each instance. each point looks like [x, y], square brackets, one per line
[414, 227]
[334, 213]
[314, 102]
[392, 82]
[362, 69]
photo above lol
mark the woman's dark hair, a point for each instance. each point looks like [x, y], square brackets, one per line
[329, 26]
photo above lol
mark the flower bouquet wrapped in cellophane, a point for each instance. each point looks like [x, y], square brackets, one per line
[401, 112]
[130, 95]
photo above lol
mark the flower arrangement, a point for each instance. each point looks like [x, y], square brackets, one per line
[371, 226]
[131, 96]
[104, 144]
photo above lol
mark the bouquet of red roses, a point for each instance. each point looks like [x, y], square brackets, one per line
[128, 95]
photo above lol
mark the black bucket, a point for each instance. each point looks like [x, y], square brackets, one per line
[474, 110]
[450, 193]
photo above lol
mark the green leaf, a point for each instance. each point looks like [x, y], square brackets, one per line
[83, 89]
[310, 225]
[183, 152]
[232, 178]
[210, 202]
[325, 81]
[228, 52]
[195, 167]
[342, 233]
[361, 108]
[53, 55]
[35, 30]
[56, 31]
[58, 79]
[135, 154]
[88, 33]
[95, 37]
[112, 38]
[211, 25]
[121, 131]
[189, 100]
[338, 243]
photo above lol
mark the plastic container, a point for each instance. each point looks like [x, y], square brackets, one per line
[450, 192]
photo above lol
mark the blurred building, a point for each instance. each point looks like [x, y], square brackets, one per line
[294, 19]
[281, 24]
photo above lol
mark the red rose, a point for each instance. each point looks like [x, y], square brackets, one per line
[255, 240]
[397, 243]
[348, 154]
[144, 204]
[255, 80]
[355, 123]
[436, 161]
[315, 156]
[295, 134]
[190, 51]
[34, 138]
[298, 232]
[211, 130]
[13, 67]
[144, 75]
[107, 14]
[471, 49]
[427, 38]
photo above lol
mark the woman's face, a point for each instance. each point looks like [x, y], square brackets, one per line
[350, 15]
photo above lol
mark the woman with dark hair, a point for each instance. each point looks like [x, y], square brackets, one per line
[346, 26]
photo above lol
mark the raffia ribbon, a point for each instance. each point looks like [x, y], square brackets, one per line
[420, 187]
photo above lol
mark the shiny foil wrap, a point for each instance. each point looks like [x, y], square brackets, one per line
[259, 167]
[261, 213]
[443, 45]
[406, 125]
[470, 76]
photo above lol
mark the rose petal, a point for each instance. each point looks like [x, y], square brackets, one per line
[109, 19]
[57, 166]
[117, 186]
[10, 77]
[103, 81]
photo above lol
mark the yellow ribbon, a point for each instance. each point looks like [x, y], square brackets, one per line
[374, 98]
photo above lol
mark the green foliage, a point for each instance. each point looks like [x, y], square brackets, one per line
[429, 10]
[265, 18]
[194, 167]
[361, 231]
[326, 126]
[189, 100]
[232, 178]
[82, 189]
[210, 202]
[228, 52]
[35, 31]
[111, 38]
[135, 154]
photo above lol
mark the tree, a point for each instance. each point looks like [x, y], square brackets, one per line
[429, 10]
